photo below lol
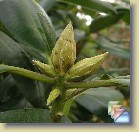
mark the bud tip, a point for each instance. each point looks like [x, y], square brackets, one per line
[106, 53]
[69, 26]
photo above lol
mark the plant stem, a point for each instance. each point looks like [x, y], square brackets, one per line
[26, 73]
[58, 104]
[92, 84]
[57, 107]
[83, 86]
[67, 106]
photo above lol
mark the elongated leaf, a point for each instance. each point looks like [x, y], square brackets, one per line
[47, 4]
[10, 96]
[103, 22]
[65, 119]
[125, 11]
[12, 54]
[122, 9]
[35, 54]
[96, 99]
[8, 89]
[15, 103]
[48, 31]
[124, 82]
[125, 88]
[23, 24]
[123, 77]
[96, 5]
[25, 116]
[29, 116]
[126, 17]
[114, 48]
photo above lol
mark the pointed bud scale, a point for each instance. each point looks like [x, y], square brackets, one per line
[64, 53]
[53, 95]
[85, 68]
[44, 68]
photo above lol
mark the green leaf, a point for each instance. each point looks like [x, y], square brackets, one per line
[124, 82]
[8, 89]
[96, 99]
[126, 13]
[29, 116]
[122, 9]
[12, 54]
[96, 5]
[35, 54]
[126, 17]
[65, 120]
[47, 4]
[23, 24]
[15, 103]
[25, 116]
[91, 13]
[48, 30]
[113, 48]
[10, 96]
[123, 77]
[102, 22]
[125, 88]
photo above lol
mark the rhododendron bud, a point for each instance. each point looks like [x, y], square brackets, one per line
[64, 53]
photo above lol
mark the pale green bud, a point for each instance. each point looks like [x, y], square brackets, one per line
[85, 68]
[53, 95]
[64, 53]
[45, 69]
